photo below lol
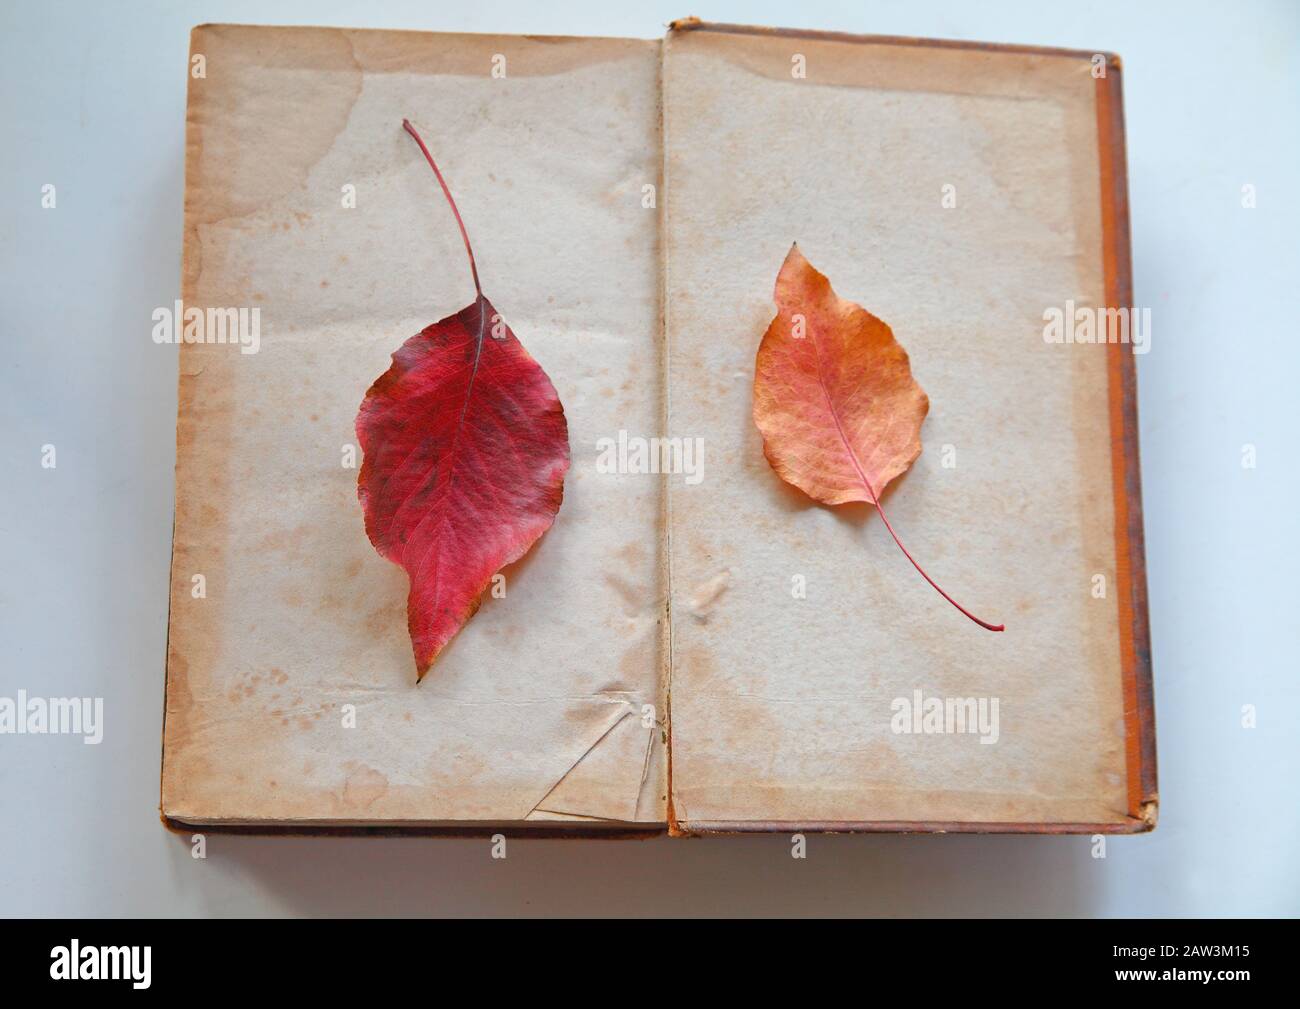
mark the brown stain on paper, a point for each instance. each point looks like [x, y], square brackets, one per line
[363, 787]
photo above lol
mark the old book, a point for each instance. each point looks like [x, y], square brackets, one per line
[702, 650]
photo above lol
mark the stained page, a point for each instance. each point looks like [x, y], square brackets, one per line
[291, 694]
[953, 192]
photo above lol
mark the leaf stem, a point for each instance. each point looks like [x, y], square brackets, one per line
[876, 501]
[473, 266]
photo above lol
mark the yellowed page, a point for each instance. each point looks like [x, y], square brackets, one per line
[781, 705]
[538, 709]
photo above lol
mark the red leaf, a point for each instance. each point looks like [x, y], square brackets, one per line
[465, 450]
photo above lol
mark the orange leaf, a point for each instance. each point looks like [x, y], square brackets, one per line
[834, 398]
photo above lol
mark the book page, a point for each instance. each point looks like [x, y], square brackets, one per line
[800, 633]
[291, 694]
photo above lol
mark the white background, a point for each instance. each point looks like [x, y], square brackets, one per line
[93, 99]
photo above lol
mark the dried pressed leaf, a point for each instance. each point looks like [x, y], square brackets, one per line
[834, 397]
[465, 449]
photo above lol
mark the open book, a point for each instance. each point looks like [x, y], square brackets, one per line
[703, 649]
